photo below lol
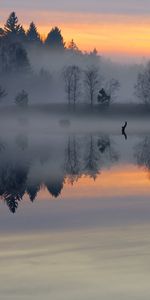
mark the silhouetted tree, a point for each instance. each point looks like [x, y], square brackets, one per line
[22, 99]
[54, 40]
[22, 35]
[12, 27]
[72, 46]
[32, 35]
[103, 97]
[92, 81]
[107, 94]
[142, 87]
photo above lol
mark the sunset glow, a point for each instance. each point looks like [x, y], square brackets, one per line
[113, 35]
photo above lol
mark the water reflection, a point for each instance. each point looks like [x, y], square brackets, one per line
[142, 153]
[27, 166]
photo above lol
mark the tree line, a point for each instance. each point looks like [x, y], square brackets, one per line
[15, 43]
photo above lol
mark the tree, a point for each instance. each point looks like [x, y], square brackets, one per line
[55, 40]
[33, 35]
[112, 86]
[103, 98]
[142, 87]
[94, 52]
[71, 75]
[22, 99]
[2, 93]
[68, 78]
[107, 94]
[76, 83]
[22, 35]
[91, 81]
[2, 33]
[12, 27]
[73, 47]
[14, 58]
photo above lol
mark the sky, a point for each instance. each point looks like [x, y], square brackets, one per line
[95, 247]
[118, 29]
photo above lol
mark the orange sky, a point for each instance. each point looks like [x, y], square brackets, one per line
[109, 34]
[113, 35]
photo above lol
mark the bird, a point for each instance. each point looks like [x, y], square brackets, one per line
[123, 130]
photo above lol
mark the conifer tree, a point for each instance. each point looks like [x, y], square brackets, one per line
[22, 35]
[12, 27]
[32, 34]
[55, 40]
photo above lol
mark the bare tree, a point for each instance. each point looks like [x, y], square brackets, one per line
[91, 81]
[67, 76]
[111, 87]
[71, 75]
[76, 83]
[142, 87]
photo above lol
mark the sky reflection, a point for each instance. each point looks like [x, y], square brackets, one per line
[92, 240]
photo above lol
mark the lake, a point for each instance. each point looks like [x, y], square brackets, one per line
[74, 214]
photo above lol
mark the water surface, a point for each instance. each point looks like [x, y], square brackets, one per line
[74, 215]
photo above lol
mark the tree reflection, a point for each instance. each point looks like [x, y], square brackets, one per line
[142, 153]
[25, 168]
[72, 159]
[91, 159]
[55, 186]
[13, 185]
[32, 190]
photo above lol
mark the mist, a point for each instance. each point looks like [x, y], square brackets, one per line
[41, 69]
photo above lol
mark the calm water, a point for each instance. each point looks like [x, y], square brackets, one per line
[74, 216]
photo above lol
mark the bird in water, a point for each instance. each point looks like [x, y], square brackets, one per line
[123, 130]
